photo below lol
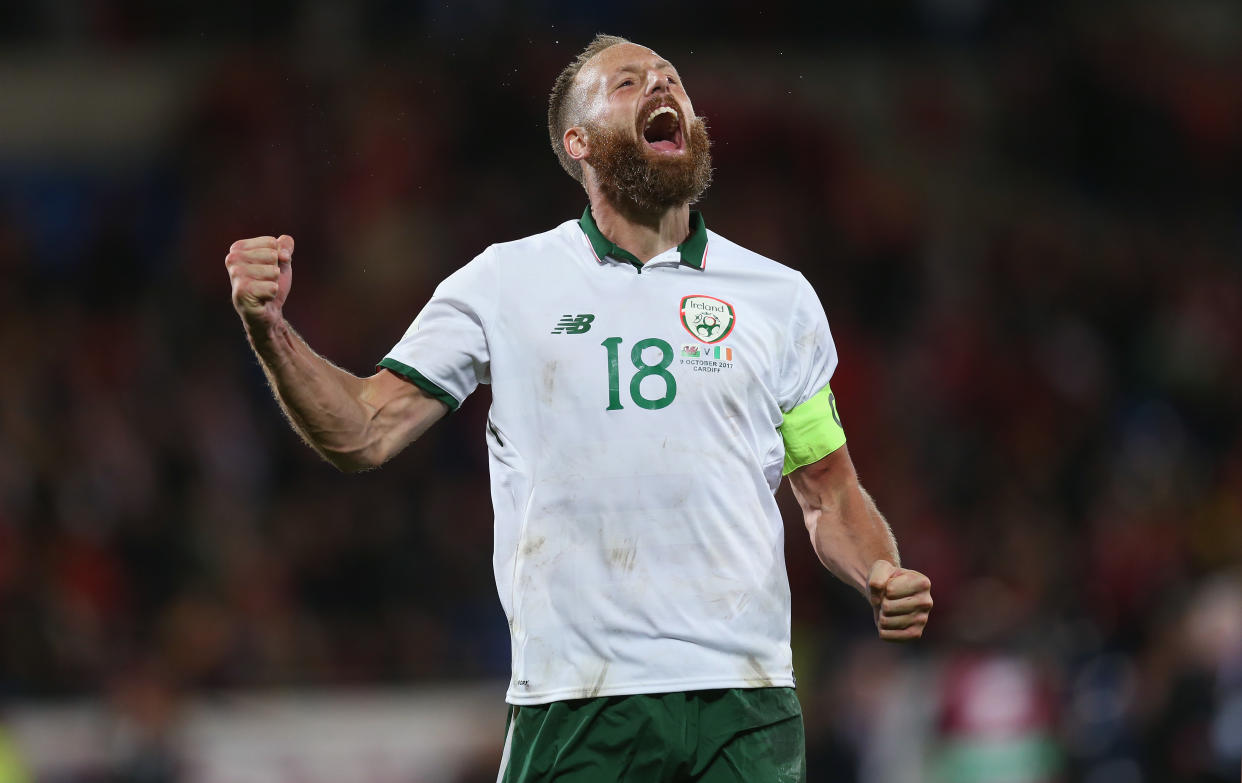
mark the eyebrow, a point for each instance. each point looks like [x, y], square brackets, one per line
[636, 69]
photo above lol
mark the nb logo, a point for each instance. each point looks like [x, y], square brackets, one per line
[574, 324]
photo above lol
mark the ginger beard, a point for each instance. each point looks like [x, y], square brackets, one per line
[632, 174]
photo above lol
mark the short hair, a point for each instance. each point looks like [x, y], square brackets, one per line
[561, 114]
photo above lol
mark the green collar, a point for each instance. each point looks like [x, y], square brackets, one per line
[692, 250]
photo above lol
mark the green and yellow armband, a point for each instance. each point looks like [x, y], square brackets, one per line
[811, 431]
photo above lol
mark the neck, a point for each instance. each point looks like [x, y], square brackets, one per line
[644, 234]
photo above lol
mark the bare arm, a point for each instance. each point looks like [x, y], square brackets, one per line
[854, 542]
[847, 531]
[354, 423]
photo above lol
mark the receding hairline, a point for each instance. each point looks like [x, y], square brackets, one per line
[575, 84]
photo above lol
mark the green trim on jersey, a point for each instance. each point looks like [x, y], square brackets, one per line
[692, 250]
[418, 379]
[811, 431]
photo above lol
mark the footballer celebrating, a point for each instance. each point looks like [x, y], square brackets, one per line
[652, 383]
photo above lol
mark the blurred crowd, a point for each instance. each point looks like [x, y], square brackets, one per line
[1026, 231]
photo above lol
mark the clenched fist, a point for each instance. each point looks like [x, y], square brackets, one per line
[261, 271]
[900, 599]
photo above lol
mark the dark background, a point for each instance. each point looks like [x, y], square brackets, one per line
[1024, 220]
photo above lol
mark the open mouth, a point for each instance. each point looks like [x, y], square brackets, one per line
[662, 130]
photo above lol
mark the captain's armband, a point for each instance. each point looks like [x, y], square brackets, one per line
[811, 431]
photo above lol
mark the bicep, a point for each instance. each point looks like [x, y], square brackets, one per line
[400, 411]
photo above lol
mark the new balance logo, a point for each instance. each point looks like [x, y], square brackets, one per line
[574, 324]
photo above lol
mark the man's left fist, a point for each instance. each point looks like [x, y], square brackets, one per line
[901, 601]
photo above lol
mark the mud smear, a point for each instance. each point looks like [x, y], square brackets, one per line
[598, 685]
[623, 557]
[549, 382]
[756, 677]
[533, 545]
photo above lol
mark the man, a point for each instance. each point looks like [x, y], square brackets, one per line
[652, 382]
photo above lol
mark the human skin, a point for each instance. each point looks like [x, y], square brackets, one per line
[359, 423]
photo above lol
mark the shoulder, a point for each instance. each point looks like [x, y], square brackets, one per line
[729, 256]
[537, 245]
[523, 253]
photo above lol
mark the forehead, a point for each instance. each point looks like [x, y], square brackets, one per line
[621, 57]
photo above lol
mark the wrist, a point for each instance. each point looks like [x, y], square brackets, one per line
[264, 334]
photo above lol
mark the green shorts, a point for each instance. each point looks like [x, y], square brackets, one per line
[750, 735]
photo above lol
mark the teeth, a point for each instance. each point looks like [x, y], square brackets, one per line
[662, 110]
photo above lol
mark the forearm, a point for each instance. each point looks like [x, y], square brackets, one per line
[324, 404]
[847, 531]
[849, 534]
[854, 541]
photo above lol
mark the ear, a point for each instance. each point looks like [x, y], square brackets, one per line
[576, 144]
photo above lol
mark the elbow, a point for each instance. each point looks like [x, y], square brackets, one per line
[353, 461]
[351, 466]
[355, 452]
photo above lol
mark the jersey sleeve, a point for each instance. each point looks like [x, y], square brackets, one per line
[444, 352]
[811, 428]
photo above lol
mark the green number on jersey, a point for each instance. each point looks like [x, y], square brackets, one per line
[614, 375]
[644, 370]
[659, 369]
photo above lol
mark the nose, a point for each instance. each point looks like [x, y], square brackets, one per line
[657, 82]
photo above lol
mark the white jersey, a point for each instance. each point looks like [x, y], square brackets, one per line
[634, 451]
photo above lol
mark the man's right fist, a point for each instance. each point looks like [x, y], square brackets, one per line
[261, 271]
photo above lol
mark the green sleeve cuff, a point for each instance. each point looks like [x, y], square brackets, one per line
[418, 379]
[811, 431]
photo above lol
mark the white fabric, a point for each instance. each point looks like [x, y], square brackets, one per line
[636, 550]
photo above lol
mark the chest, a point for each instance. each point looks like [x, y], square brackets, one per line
[618, 342]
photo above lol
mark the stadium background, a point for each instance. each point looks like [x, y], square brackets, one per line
[1024, 220]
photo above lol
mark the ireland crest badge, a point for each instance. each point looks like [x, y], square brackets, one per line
[709, 319]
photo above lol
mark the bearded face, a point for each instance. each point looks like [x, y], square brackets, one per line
[660, 165]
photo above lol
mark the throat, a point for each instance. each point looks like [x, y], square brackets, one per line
[645, 236]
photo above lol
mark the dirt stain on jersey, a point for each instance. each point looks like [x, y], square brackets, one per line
[806, 341]
[533, 545]
[598, 684]
[743, 601]
[548, 387]
[756, 677]
[623, 556]
[734, 415]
